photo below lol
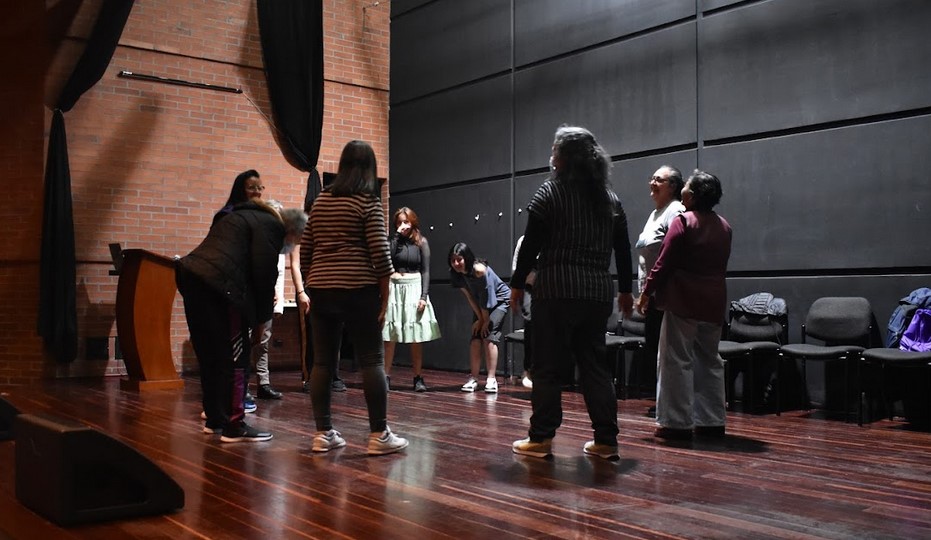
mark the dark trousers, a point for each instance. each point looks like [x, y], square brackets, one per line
[563, 330]
[356, 310]
[219, 335]
[652, 326]
[307, 344]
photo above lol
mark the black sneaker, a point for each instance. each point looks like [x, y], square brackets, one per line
[338, 385]
[267, 392]
[419, 385]
[244, 433]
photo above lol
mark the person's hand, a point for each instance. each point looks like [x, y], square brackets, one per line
[625, 303]
[404, 228]
[421, 305]
[477, 329]
[303, 303]
[517, 299]
[381, 315]
[642, 303]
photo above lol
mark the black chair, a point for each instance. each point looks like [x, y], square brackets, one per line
[749, 341]
[844, 325]
[619, 342]
[902, 375]
[514, 337]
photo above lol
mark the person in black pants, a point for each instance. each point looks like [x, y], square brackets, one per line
[228, 285]
[574, 223]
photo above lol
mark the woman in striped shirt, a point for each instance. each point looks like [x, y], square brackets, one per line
[350, 264]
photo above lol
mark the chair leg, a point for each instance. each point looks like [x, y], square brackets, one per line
[779, 360]
[728, 387]
[750, 395]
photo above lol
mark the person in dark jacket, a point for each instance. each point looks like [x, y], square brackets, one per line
[575, 222]
[228, 286]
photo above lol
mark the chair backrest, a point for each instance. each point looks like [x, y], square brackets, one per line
[840, 320]
[772, 328]
[635, 325]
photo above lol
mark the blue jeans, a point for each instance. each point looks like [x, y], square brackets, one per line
[357, 310]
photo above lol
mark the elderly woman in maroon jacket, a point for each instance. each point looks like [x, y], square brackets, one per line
[688, 281]
[228, 285]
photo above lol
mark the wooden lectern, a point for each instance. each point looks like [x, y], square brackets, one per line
[145, 297]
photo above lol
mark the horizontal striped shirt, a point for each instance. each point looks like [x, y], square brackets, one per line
[344, 245]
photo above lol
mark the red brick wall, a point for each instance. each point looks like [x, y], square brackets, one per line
[151, 163]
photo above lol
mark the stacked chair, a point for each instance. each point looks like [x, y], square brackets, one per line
[902, 370]
[757, 327]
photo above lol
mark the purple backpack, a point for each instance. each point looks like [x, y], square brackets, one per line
[917, 336]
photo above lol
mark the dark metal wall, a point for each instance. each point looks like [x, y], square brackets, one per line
[815, 115]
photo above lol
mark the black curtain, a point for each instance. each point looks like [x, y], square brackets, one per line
[292, 48]
[58, 319]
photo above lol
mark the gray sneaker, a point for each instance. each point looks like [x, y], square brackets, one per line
[324, 441]
[385, 442]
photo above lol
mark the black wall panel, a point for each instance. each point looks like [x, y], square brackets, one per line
[843, 198]
[403, 6]
[633, 95]
[458, 135]
[708, 5]
[447, 43]
[781, 64]
[546, 28]
[450, 352]
[524, 189]
[489, 236]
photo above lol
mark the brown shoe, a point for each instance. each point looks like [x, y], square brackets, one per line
[710, 432]
[671, 434]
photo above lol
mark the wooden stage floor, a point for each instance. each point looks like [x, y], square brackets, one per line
[772, 477]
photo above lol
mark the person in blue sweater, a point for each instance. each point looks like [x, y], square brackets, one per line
[489, 298]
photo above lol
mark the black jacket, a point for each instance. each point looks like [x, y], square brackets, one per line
[239, 259]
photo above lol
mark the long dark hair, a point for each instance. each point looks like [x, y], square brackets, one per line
[415, 223]
[583, 165]
[358, 171]
[238, 193]
[462, 249]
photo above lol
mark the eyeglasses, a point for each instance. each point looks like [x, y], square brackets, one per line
[658, 179]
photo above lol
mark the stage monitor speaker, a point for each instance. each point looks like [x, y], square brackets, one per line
[70, 473]
[7, 413]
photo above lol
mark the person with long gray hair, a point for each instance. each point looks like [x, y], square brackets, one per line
[575, 221]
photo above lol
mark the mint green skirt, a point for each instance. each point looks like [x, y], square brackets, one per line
[403, 323]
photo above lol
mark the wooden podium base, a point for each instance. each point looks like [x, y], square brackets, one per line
[134, 385]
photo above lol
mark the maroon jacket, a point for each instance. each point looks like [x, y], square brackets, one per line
[688, 277]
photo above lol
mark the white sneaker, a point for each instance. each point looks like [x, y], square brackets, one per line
[385, 442]
[527, 382]
[491, 386]
[470, 385]
[324, 441]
